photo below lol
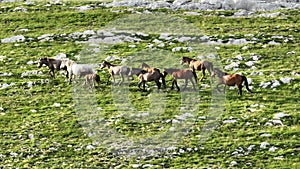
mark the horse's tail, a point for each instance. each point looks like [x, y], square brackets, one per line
[246, 83]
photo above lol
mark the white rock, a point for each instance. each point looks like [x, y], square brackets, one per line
[30, 136]
[273, 149]
[273, 43]
[33, 110]
[266, 135]
[135, 165]
[250, 63]
[250, 148]
[264, 145]
[233, 163]
[275, 84]
[280, 115]
[276, 122]
[56, 104]
[239, 57]
[89, 147]
[18, 38]
[286, 80]
[229, 121]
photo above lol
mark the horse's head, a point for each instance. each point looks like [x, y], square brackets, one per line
[104, 64]
[217, 72]
[184, 60]
[41, 62]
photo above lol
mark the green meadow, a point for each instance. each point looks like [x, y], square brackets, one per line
[48, 123]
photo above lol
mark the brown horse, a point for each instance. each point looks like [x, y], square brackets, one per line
[148, 77]
[53, 64]
[92, 77]
[231, 80]
[201, 65]
[116, 70]
[181, 74]
[149, 69]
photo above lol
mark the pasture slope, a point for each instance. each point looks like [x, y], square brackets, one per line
[41, 128]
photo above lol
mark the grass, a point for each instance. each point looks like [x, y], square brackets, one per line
[44, 125]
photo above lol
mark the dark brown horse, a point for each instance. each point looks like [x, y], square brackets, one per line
[53, 64]
[181, 74]
[201, 65]
[231, 80]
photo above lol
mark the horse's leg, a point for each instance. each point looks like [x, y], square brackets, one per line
[108, 80]
[144, 85]
[158, 84]
[113, 78]
[218, 87]
[70, 77]
[173, 84]
[191, 79]
[203, 74]
[175, 81]
[185, 84]
[163, 81]
[240, 89]
[122, 78]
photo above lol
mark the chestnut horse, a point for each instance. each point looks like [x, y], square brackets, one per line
[201, 65]
[53, 64]
[231, 80]
[116, 70]
[181, 74]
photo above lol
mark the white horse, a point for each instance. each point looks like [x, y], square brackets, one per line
[79, 70]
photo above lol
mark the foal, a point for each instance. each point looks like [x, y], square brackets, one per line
[53, 64]
[198, 65]
[181, 74]
[115, 70]
[231, 80]
[92, 77]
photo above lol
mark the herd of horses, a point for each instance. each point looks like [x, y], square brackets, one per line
[144, 74]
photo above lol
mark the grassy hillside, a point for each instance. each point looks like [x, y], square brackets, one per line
[44, 122]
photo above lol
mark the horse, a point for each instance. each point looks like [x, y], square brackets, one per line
[53, 64]
[231, 80]
[148, 77]
[149, 69]
[201, 65]
[116, 70]
[181, 74]
[79, 70]
[92, 77]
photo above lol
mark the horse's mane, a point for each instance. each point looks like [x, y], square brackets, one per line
[187, 58]
[144, 65]
[225, 73]
[110, 64]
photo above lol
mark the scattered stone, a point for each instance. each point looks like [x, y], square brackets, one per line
[264, 145]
